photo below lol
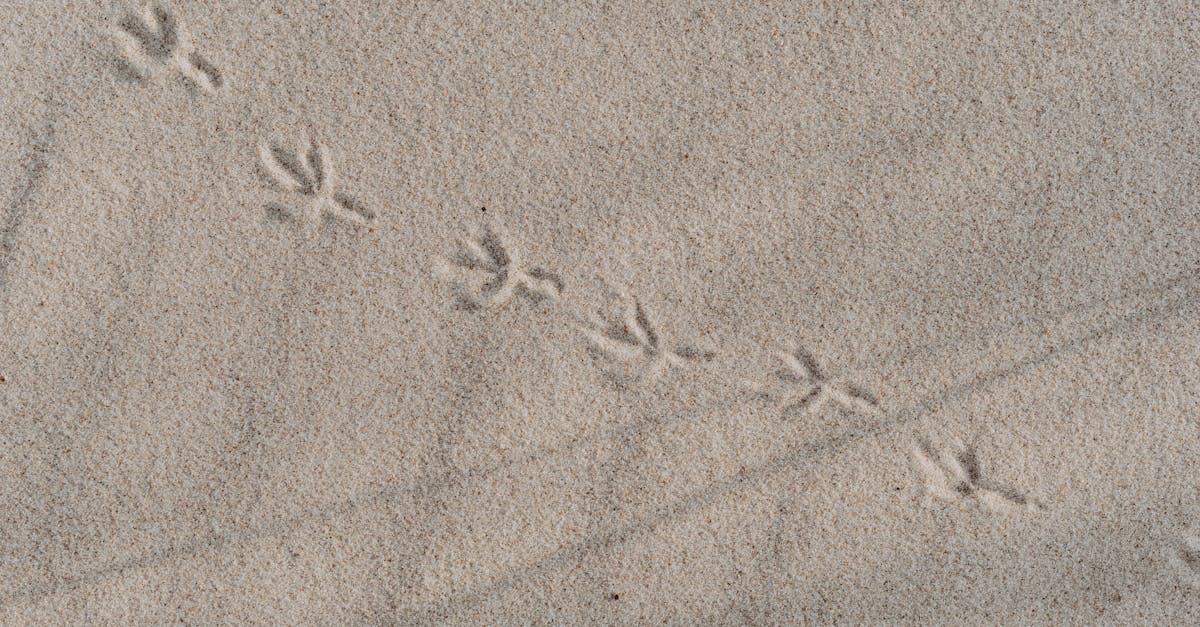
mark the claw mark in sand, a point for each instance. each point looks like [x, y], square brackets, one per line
[155, 43]
[803, 386]
[310, 174]
[490, 254]
[952, 473]
[634, 342]
[1185, 558]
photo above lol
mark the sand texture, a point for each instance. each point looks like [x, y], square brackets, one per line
[397, 313]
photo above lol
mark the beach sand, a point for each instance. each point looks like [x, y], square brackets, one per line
[371, 312]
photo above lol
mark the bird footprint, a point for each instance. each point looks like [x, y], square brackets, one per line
[633, 341]
[802, 386]
[1186, 560]
[952, 473]
[310, 174]
[154, 43]
[492, 254]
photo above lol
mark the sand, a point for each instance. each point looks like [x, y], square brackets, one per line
[403, 313]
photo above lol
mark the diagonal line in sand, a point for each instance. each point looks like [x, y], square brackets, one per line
[18, 210]
[1187, 285]
[812, 452]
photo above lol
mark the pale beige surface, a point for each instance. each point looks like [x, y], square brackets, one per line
[216, 410]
